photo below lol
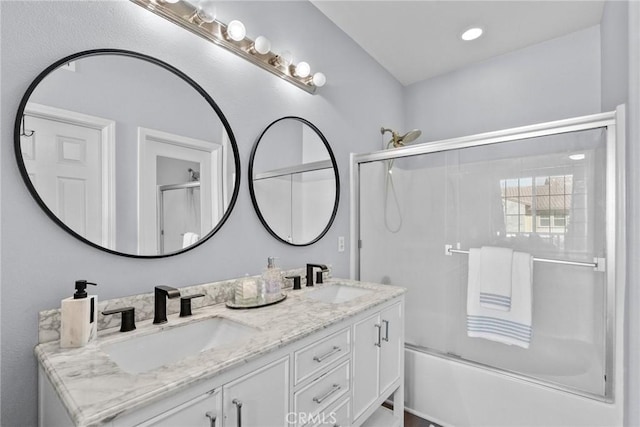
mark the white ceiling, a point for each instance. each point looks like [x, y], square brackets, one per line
[419, 39]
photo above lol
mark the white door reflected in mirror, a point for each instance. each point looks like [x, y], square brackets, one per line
[99, 130]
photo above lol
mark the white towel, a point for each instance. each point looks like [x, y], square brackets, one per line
[509, 327]
[189, 239]
[495, 277]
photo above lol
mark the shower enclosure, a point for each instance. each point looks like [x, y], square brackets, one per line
[179, 222]
[549, 190]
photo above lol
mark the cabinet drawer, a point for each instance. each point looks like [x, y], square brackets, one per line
[202, 411]
[337, 415]
[313, 358]
[322, 392]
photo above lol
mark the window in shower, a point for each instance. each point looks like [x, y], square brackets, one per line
[545, 196]
[538, 204]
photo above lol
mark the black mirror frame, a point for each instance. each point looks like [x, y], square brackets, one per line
[170, 68]
[254, 201]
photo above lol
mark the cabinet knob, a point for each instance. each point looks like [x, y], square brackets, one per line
[322, 398]
[212, 418]
[330, 353]
[379, 342]
[238, 404]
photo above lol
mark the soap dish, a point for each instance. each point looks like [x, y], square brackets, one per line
[256, 303]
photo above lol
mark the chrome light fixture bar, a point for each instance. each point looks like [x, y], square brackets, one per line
[184, 14]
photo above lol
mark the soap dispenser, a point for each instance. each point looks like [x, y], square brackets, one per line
[79, 320]
[272, 278]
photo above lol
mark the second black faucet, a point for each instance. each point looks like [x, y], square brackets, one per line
[310, 268]
[161, 293]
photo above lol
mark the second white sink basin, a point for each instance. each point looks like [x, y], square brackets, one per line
[147, 352]
[336, 293]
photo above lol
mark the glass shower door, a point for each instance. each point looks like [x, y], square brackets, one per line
[179, 214]
[544, 196]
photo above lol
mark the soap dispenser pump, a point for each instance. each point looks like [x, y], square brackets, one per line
[78, 324]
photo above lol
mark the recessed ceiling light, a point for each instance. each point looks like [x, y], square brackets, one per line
[471, 34]
[579, 156]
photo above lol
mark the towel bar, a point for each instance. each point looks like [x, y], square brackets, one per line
[598, 264]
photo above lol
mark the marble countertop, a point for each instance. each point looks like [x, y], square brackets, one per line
[95, 390]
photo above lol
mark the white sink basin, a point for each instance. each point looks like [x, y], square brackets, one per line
[147, 352]
[336, 293]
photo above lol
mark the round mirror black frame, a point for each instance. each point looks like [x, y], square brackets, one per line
[252, 190]
[170, 68]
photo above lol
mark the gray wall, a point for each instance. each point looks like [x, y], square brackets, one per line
[614, 51]
[40, 261]
[548, 81]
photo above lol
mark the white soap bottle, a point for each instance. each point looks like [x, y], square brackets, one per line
[79, 317]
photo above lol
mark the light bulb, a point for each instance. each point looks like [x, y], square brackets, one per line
[206, 11]
[285, 58]
[302, 69]
[170, 1]
[236, 30]
[319, 79]
[262, 45]
[471, 34]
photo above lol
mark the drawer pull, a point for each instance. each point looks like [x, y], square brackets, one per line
[379, 343]
[238, 404]
[322, 398]
[330, 353]
[212, 418]
[386, 330]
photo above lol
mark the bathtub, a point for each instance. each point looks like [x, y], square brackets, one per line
[456, 393]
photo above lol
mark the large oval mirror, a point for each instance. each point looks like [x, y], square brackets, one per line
[127, 153]
[294, 182]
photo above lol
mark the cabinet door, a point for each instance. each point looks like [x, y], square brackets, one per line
[366, 342]
[391, 348]
[203, 411]
[259, 399]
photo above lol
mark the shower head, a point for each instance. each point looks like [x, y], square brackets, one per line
[194, 175]
[401, 140]
[410, 136]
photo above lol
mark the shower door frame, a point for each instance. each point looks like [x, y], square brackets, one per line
[614, 124]
[160, 207]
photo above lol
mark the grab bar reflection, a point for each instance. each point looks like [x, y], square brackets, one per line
[598, 264]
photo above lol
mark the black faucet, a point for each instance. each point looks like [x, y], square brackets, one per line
[310, 268]
[161, 293]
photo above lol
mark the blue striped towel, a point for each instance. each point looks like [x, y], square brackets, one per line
[486, 326]
[495, 277]
[511, 327]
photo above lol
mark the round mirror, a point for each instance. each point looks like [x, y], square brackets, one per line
[294, 182]
[127, 153]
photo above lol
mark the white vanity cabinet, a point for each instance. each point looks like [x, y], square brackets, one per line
[203, 411]
[338, 375]
[258, 399]
[378, 357]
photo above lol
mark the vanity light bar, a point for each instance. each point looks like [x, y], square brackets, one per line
[184, 14]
